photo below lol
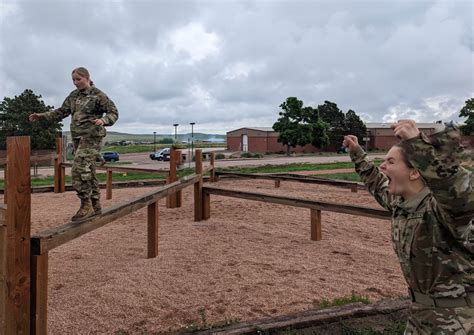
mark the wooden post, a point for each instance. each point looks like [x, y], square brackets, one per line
[3, 268]
[277, 183]
[172, 177]
[5, 184]
[354, 188]
[57, 165]
[39, 294]
[212, 177]
[178, 195]
[198, 187]
[18, 220]
[316, 233]
[153, 225]
[109, 185]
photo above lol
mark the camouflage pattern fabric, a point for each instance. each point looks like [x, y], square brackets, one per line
[84, 107]
[84, 180]
[432, 233]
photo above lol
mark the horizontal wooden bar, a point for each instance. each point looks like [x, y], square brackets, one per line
[54, 237]
[293, 177]
[45, 159]
[123, 169]
[298, 202]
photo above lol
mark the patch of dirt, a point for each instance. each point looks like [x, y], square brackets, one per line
[251, 260]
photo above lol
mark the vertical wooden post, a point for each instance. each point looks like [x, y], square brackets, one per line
[316, 232]
[108, 195]
[5, 183]
[198, 187]
[172, 177]
[178, 194]
[3, 269]
[18, 220]
[354, 188]
[212, 177]
[153, 225]
[39, 294]
[57, 165]
[277, 183]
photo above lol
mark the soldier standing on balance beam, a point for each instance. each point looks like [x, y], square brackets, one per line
[91, 110]
[432, 223]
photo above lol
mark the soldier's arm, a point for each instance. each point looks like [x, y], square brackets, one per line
[439, 161]
[59, 113]
[109, 109]
[376, 181]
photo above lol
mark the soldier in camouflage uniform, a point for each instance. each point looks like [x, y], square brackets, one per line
[422, 183]
[91, 110]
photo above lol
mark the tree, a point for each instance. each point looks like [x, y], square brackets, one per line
[341, 124]
[14, 121]
[468, 111]
[298, 125]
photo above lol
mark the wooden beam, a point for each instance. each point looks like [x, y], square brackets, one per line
[63, 179]
[3, 268]
[5, 184]
[295, 178]
[316, 231]
[198, 186]
[124, 169]
[54, 237]
[277, 183]
[18, 221]
[178, 195]
[153, 226]
[39, 294]
[172, 203]
[206, 206]
[304, 203]
[212, 178]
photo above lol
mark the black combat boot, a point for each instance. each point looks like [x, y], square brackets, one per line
[96, 206]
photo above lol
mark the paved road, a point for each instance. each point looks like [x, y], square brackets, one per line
[142, 160]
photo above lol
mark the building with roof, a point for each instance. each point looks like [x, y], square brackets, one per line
[265, 139]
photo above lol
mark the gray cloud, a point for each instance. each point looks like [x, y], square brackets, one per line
[227, 64]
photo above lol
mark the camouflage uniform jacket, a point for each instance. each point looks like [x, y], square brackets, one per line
[432, 233]
[84, 107]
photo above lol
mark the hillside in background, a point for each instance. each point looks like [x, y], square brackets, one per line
[113, 136]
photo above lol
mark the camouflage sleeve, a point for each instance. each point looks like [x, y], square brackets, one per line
[61, 112]
[376, 181]
[439, 160]
[107, 107]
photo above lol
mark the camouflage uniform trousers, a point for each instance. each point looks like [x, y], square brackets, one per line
[84, 181]
[425, 320]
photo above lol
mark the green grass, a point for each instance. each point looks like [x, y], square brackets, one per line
[288, 168]
[353, 298]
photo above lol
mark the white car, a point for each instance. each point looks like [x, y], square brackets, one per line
[162, 155]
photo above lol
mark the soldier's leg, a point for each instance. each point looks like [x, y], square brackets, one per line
[96, 145]
[442, 321]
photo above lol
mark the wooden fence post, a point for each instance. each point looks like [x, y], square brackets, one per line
[354, 188]
[109, 185]
[39, 294]
[63, 179]
[3, 268]
[5, 183]
[171, 201]
[198, 187]
[206, 206]
[18, 221]
[277, 183]
[153, 225]
[212, 177]
[316, 233]
[57, 165]
[178, 194]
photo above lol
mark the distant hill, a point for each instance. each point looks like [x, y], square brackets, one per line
[113, 136]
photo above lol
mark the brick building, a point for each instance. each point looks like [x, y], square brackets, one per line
[265, 139]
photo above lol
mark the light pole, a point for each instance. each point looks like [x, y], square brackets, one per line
[154, 141]
[175, 125]
[192, 137]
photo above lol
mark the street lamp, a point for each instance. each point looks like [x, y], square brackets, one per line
[154, 141]
[175, 125]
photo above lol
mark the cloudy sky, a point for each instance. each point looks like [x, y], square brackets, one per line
[230, 64]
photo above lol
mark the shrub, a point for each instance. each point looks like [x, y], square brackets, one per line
[220, 156]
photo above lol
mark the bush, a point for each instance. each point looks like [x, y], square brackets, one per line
[220, 156]
[251, 155]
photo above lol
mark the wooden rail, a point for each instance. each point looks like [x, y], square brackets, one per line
[54, 237]
[124, 169]
[315, 206]
[278, 177]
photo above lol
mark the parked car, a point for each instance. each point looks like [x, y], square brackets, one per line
[111, 156]
[342, 150]
[162, 155]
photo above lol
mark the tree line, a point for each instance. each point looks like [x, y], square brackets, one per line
[297, 124]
